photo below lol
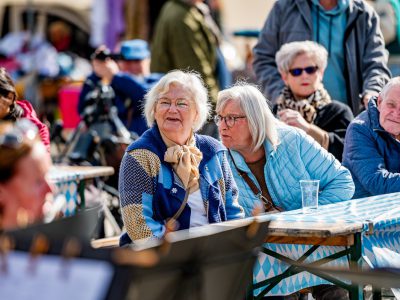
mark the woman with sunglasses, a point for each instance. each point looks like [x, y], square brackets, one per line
[12, 109]
[171, 175]
[304, 102]
[24, 164]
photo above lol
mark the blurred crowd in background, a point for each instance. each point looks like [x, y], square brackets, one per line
[46, 45]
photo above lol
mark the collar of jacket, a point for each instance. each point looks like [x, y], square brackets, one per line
[241, 163]
[151, 140]
[341, 6]
[355, 8]
[304, 7]
[373, 113]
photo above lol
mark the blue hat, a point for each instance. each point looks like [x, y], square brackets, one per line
[134, 50]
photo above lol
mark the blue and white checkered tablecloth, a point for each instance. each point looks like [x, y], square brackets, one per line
[68, 178]
[67, 184]
[383, 212]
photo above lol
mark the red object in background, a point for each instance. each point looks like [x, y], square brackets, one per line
[10, 64]
[68, 98]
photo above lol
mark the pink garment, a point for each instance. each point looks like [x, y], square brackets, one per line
[30, 114]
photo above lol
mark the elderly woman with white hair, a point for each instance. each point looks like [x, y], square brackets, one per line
[172, 173]
[274, 156]
[268, 158]
[304, 102]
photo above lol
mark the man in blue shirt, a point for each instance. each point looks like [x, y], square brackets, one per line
[129, 76]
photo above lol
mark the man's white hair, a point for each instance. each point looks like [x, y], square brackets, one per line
[391, 83]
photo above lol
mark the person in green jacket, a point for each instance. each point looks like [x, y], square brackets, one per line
[183, 39]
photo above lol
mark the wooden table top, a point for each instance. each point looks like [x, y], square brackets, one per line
[332, 224]
[59, 173]
[309, 233]
[285, 233]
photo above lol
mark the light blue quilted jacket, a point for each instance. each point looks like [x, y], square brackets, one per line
[297, 157]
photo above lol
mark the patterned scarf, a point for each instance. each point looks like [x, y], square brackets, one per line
[185, 161]
[306, 107]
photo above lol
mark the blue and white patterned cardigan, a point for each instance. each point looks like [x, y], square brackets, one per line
[151, 193]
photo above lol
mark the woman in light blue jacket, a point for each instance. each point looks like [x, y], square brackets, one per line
[274, 156]
[268, 159]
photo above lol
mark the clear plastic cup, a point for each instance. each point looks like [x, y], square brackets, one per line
[309, 195]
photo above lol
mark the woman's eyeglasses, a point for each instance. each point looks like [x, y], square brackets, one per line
[181, 104]
[7, 94]
[229, 120]
[298, 71]
[22, 130]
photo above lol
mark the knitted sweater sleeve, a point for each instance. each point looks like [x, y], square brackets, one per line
[138, 179]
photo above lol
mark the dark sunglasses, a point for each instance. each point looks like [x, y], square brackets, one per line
[309, 70]
[7, 94]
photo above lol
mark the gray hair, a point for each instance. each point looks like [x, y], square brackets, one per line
[189, 80]
[391, 83]
[262, 123]
[288, 52]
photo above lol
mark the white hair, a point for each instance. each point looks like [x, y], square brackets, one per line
[391, 83]
[288, 52]
[189, 80]
[262, 123]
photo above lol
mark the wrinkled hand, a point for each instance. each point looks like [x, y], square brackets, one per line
[294, 118]
[367, 97]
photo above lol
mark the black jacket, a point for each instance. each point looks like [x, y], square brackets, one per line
[334, 118]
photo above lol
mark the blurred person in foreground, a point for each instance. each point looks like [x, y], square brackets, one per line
[372, 144]
[129, 75]
[24, 164]
[171, 172]
[348, 29]
[12, 109]
[268, 159]
[304, 102]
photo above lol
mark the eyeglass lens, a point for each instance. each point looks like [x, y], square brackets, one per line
[182, 104]
[7, 94]
[309, 70]
[229, 120]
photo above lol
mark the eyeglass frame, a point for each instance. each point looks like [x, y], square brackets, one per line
[309, 70]
[5, 93]
[218, 119]
[163, 106]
